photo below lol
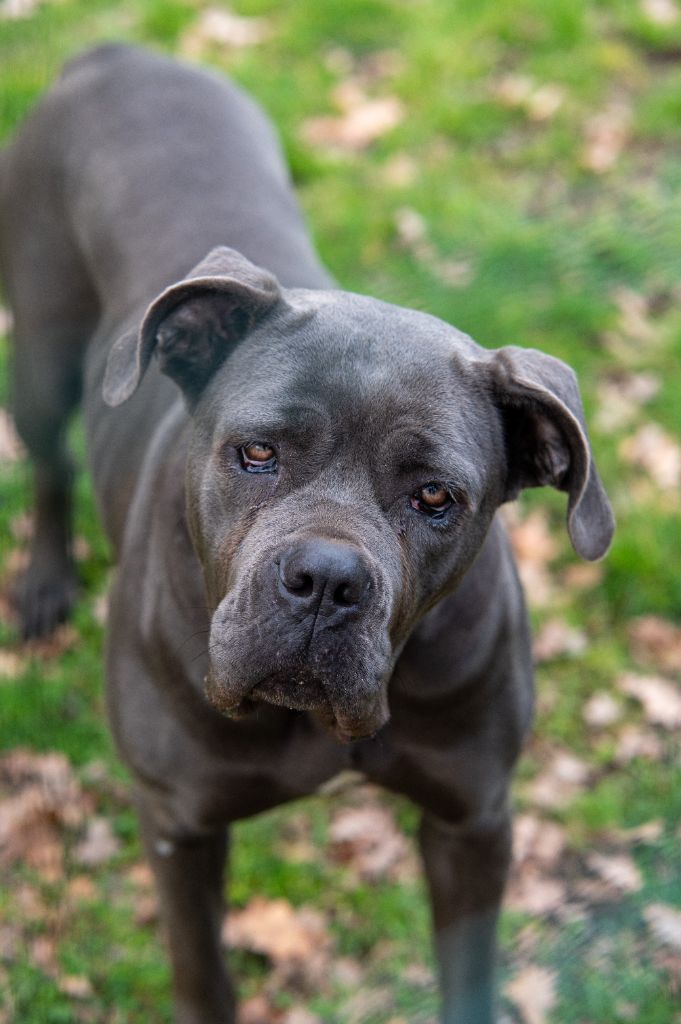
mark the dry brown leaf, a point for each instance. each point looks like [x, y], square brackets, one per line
[13, 10]
[560, 781]
[299, 1015]
[367, 840]
[606, 135]
[533, 991]
[665, 924]
[582, 575]
[77, 986]
[540, 102]
[617, 870]
[656, 641]
[531, 892]
[620, 397]
[400, 170]
[661, 698]
[656, 452]
[412, 233]
[633, 742]
[63, 638]
[648, 832]
[256, 1010]
[557, 639]
[99, 844]
[43, 795]
[42, 953]
[660, 12]
[295, 940]
[81, 889]
[146, 910]
[216, 26]
[357, 127]
[11, 664]
[535, 548]
[538, 840]
[601, 710]
[11, 447]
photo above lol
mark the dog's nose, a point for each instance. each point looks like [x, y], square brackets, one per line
[323, 574]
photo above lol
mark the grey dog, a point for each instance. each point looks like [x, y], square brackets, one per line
[301, 491]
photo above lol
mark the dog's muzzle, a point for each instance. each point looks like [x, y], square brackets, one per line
[310, 637]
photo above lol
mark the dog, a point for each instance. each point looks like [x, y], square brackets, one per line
[301, 488]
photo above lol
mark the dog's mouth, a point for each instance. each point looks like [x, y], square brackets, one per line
[298, 690]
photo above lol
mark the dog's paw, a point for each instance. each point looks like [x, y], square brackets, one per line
[44, 599]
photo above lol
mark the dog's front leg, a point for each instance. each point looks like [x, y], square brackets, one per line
[189, 878]
[466, 866]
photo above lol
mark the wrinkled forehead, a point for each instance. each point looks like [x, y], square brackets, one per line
[355, 366]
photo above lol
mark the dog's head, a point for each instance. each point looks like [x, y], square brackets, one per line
[347, 459]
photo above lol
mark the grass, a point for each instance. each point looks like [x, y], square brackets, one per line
[550, 246]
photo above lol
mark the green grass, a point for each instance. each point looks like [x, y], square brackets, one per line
[549, 243]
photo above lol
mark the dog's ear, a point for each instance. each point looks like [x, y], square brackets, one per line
[547, 443]
[193, 325]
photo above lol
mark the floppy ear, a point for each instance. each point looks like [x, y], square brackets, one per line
[193, 325]
[547, 443]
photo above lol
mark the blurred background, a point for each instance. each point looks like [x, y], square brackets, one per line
[514, 168]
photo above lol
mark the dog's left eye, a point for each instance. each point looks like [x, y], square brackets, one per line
[258, 457]
[433, 499]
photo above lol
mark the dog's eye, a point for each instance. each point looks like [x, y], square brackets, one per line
[258, 457]
[433, 498]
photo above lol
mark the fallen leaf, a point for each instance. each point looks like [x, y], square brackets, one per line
[648, 832]
[367, 839]
[534, 547]
[81, 889]
[620, 397]
[216, 26]
[412, 233]
[11, 448]
[539, 102]
[557, 639]
[99, 844]
[661, 698]
[634, 742]
[530, 892]
[601, 710]
[618, 871]
[606, 134]
[660, 12]
[43, 796]
[656, 452]
[42, 953]
[13, 10]
[77, 986]
[256, 1010]
[535, 839]
[299, 1015]
[297, 941]
[533, 991]
[582, 575]
[665, 924]
[356, 128]
[11, 664]
[656, 641]
[400, 170]
[560, 781]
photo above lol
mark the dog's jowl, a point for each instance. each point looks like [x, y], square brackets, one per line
[300, 486]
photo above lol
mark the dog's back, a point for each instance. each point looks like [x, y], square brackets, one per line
[128, 171]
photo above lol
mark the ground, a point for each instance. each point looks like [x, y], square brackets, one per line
[514, 169]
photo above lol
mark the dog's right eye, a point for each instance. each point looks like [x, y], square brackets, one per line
[258, 457]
